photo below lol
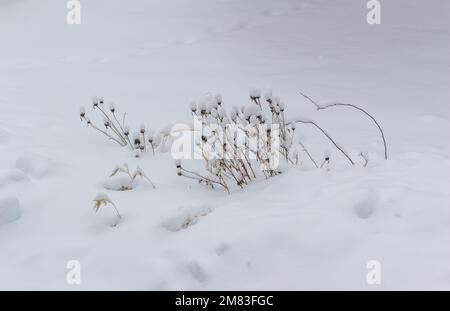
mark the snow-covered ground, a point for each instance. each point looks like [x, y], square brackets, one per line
[304, 229]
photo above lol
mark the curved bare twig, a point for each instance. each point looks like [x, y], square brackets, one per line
[323, 107]
[327, 135]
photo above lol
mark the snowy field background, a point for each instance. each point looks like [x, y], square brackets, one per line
[306, 229]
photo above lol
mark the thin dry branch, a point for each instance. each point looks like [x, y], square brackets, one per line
[323, 107]
[327, 135]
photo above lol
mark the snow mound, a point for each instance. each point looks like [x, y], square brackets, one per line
[12, 175]
[119, 183]
[34, 165]
[188, 217]
[9, 210]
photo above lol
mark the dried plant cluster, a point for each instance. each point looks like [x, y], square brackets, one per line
[114, 127]
[242, 144]
[237, 146]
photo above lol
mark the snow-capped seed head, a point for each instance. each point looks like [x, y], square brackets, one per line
[268, 96]
[126, 130]
[327, 155]
[277, 109]
[219, 99]
[255, 93]
[82, 112]
[137, 139]
[101, 101]
[193, 107]
[253, 120]
[179, 171]
[94, 102]
[178, 163]
[142, 128]
[251, 110]
[293, 125]
[106, 122]
[137, 153]
[202, 107]
[281, 105]
[112, 107]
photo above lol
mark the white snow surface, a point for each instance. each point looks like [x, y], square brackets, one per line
[306, 229]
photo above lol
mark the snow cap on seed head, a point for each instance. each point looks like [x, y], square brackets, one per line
[268, 96]
[106, 121]
[193, 107]
[219, 99]
[202, 106]
[94, 101]
[250, 110]
[137, 138]
[255, 93]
